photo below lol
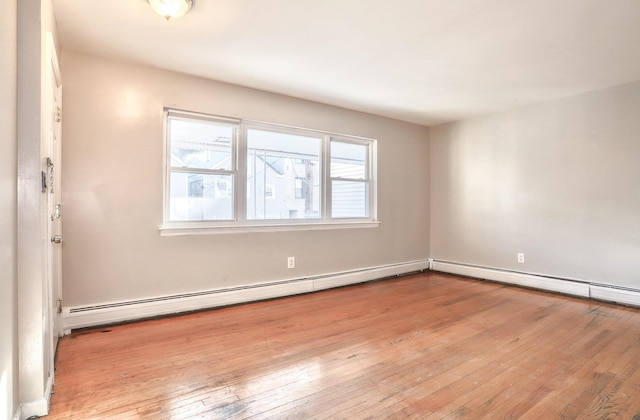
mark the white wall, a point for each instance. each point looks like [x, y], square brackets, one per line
[559, 181]
[8, 216]
[112, 189]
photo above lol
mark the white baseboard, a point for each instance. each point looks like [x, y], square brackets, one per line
[609, 293]
[373, 273]
[114, 312]
[615, 294]
[569, 287]
[39, 407]
[81, 317]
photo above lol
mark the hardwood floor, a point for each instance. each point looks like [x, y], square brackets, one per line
[424, 346]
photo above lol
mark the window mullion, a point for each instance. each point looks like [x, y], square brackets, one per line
[240, 186]
[326, 178]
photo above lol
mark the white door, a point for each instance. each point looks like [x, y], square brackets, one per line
[53, 115]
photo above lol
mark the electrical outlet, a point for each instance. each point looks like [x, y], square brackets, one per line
[521, 257]
[291, 262]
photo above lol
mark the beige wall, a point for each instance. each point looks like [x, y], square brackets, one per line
[8, 216]
[112, 189]
[559, 181]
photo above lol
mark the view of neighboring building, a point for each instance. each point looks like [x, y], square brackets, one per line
[283, 178]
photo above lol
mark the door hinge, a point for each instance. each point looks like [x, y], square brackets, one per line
[58, 114]
[59, 306]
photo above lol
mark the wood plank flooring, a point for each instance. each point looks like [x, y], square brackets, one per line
[424, 346]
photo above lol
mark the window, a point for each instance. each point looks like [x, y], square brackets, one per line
[224, 173]
[349, 179]
[201, 170]
[277, 160]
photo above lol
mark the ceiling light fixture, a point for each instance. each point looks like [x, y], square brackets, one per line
[171, 8]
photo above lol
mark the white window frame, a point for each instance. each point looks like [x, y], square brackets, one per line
[368, 173]
[234, 171]
[239, 222]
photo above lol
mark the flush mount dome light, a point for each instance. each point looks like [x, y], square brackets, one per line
[171, 8]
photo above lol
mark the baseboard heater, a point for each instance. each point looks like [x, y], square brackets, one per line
[623, 295]
[574, 287]
[115, 312]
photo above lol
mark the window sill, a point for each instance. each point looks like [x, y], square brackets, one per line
[182, 230]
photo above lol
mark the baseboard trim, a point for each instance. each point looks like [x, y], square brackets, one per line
[565, 286]
[39, 407]
[36, 408]
[115, 312]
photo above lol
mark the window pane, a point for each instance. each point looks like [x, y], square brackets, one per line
[349, 199]
[200, 144]
[196, 196]
[348, 160]
[283, 175]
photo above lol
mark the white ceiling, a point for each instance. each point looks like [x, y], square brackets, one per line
[424, 61]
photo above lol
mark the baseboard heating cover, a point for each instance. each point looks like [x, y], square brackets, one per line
[609, 293]
[623, 295]
[114, 312]
[565, 286]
